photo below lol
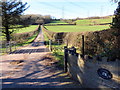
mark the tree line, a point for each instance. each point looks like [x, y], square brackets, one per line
[35, 19]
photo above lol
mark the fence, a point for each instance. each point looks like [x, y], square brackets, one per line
[92, 72]
[55, 45]
[9, 47]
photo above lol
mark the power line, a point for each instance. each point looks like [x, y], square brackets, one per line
[50, 5]
[77, 5]
[62, 8]
[63, 12]
[74, 4]
[53, 6]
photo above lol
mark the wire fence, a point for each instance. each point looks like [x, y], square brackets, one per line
[8, 47]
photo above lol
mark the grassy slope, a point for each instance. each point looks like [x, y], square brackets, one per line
[23, 30]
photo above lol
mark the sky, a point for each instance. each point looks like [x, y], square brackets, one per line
[70, 9]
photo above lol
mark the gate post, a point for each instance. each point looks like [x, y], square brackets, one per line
[65, 58]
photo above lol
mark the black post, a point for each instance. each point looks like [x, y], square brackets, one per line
[65, 58]
[83, 45]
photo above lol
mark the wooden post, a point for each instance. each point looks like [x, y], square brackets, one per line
[65, 58]
[50, 45]
[83, 45]
[10, 46]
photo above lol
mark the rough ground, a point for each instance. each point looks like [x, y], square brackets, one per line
[33, 67]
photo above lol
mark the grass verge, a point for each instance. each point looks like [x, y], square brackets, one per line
[57, 51]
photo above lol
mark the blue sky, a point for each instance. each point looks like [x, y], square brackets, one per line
[71, 8]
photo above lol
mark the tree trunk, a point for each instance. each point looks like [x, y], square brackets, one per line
[7, 33]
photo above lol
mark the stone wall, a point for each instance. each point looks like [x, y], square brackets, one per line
[85, 71]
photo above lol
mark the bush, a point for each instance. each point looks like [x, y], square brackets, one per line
[22, 37]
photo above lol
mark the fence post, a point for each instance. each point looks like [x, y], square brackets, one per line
[83, 45]
[50, 45]
[65, 58]
[10, 46]
[58, 42]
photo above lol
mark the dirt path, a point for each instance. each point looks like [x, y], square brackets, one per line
[33, 67]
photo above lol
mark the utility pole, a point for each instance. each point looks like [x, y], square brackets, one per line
[88, 14]
[101, 11]
[63, 12]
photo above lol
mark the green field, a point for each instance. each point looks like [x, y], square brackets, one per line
[57, 22]
[75, 28]
[93, 21]
[83, 25]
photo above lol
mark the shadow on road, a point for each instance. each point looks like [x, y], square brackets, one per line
[22, 51]
[29, 51]
[45, 77]
[52, 81]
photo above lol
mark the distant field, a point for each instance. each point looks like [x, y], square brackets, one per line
[93, 21]
[75, 28]
[57, 22]
[83, 25]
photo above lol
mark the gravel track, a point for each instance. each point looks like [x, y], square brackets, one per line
[30, 68]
